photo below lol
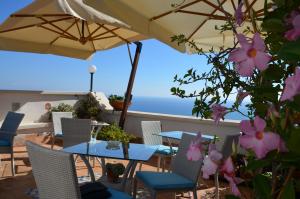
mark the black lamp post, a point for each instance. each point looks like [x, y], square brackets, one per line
[92, 70]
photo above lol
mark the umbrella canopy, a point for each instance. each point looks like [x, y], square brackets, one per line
[63, 27]
[195, 19]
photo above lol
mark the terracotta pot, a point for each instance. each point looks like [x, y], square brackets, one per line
[118, 104]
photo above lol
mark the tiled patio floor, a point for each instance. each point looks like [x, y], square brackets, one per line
[16, 187]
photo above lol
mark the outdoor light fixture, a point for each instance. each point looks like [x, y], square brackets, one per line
[92, 69]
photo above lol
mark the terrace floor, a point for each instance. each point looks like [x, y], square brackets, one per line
[16, 187]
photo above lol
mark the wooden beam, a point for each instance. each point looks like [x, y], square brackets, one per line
[213, 12]
[211, 16]
[250, 6]
[233, 4]
[57, 27]
[130, 83]
[125, 40]
[40, 15]
[52, 42]
[105, 33]
[217, 7]
[94, 31]
[174, 10]
[107, 37]
[36, 24]
[93, 45]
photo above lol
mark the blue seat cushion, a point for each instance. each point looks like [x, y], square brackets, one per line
[59, 135]
[115, 194]
[4, 143]
[164, 181]
[166, 150]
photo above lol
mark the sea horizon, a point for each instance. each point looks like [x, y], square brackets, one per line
[174, 106]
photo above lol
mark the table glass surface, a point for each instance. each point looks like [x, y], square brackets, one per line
[138, 152]
[178, 134]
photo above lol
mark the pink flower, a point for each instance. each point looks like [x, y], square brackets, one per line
[239, 15]
[241, 96]
[194, 152]
[229, 174]
[292, 86]
[250, 55]
[211, 162]
[256, 139]
[293, 20]
[218, 112]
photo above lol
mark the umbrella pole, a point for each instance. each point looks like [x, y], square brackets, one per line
[130, 83]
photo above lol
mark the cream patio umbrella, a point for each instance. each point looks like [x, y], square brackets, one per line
[195, 19]
[63, 27]
[68, 28]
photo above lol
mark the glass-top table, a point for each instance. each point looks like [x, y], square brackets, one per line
[136, 152]
[132, 152]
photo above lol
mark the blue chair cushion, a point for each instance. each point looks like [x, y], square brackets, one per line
[164, 181]
[4, 143]
[118, 194]
[59, 135]
[165, 150]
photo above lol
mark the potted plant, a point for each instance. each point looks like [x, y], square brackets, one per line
[62, 107]
[114, 171]
[117, 102]
[114, 133]
[88, 108]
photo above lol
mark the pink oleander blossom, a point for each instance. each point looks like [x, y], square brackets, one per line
[257, 139]
[194, 152]
[239, 15]
[211, 162]
[294, 21]
[250, 55]
[292, 86]
[228, 171]
[218, 112]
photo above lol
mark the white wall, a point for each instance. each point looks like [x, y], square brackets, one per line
[32, 103]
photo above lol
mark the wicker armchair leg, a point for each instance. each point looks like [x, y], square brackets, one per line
[12, 162]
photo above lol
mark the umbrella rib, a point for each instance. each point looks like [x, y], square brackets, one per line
[88, 29]
[233, 4]
[107, 37]
[78, 28]
[55, 31]
[32, 25]
[95, 37]
[211, 16]
[217, 7]
[40, 15]
[250, 6]
[94, 31]
[213, 12]
[171, 11]
[125, 40]
[55, 26]
[52, 42]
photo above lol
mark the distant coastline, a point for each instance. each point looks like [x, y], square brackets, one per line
[173, 106]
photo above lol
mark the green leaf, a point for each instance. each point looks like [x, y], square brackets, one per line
[273, 24]
[256, 164]
[294, 140]
[262, 186]
[290, 51]
[288, 191]
[231, 197]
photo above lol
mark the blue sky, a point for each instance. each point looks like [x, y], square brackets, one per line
[157, 67]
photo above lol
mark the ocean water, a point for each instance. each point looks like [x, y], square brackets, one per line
[174, 106]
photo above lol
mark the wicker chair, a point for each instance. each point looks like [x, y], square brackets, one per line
[150, 130]
[55, 175]
[184, 174]
[56, 119]
[8, 131]
[75, 131]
